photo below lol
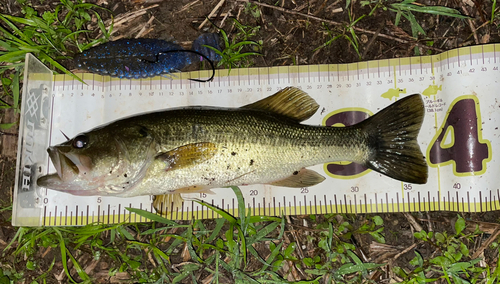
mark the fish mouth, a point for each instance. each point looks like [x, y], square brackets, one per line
[69, 167]
[62, 163]
[67, 164]
[53, 181]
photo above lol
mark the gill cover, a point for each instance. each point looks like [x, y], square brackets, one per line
[104, 161]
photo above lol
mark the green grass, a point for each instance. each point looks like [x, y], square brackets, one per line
[245, 249]
[235, 52]
[404, 9]
[51, 36]
[452, 262]
[225, 250]
[348, 33]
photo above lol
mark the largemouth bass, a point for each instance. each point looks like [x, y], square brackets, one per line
[194, 149]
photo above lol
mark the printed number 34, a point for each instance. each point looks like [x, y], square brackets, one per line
[466, 149]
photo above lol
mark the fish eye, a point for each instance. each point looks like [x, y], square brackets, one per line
[143, 131]
[80, 141]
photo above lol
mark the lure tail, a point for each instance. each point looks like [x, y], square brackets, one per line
[210, 40]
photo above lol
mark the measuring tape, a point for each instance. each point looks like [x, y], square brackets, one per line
[458, 136]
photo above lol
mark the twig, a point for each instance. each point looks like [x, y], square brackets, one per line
[294, 234]
[125, 18]
[372, 40]
[237, 19]
[8, 133]
[46, 251]
[150, 258]
[185, 253]
[481, 26]
[211, 13]
[187, 6]
[140, 33]
[225, 17]
[291, 12]
[431, 229]
[320, 8]
[413, 222]
[405, 251]
[334, 4]
[208, 279]
[60, 277]
[90, 267]
[338, 24]
[472, 28]
[486, 244]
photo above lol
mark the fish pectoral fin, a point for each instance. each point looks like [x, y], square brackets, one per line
[290, 102]
[167, 203]
[188, 155]
[302, 178]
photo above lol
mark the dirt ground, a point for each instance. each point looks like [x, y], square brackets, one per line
[289, 37]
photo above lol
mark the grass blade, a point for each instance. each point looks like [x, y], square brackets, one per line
[262, 233]
[5, 126]
[48, 59]
[152, 216]
[219, 211]
[15, 90]
[218, 227]
[64, 259]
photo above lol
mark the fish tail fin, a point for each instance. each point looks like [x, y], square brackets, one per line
[212, 40]
[392, 138]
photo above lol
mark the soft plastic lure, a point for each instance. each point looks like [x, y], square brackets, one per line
[141, 58]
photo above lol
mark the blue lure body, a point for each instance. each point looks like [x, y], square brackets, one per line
[142, 58]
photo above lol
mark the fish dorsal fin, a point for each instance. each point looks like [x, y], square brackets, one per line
[290, 102]
[302, 178]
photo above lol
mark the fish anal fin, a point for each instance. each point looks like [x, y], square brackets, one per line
[167, 203]
[302, 178]
[194, 189]
[187, 155]
[290, 102]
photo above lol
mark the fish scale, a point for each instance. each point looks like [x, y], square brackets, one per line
[277, 146]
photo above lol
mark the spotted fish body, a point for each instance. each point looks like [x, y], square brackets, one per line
[195, 149]
[141, 58]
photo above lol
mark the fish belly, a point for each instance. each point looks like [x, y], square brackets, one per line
[235, 165]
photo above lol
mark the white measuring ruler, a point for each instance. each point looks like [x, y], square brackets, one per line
[459, 135]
